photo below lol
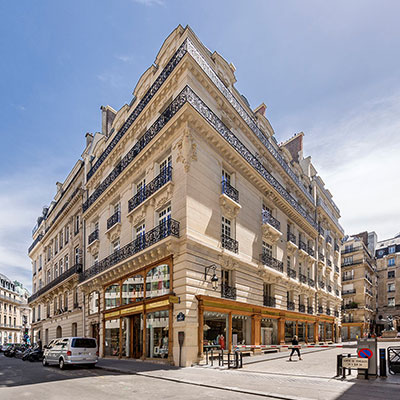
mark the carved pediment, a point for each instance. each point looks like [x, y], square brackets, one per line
[229, 207]
[228, 262]
[270, 233]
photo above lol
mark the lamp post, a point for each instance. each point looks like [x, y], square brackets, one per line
[214, 277]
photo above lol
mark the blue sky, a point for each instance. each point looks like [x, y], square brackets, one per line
[329, 69]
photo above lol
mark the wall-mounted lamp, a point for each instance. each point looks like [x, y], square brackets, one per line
[214, 277]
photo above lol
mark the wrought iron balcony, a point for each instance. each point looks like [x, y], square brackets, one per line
[328, 311]
[348, 278]
[329, 240]
[93, 236]
[311, 282]
[350, 306]
[349, 291]
[291, 237]
[229, 243]
[35, 242]
[76, 269]
[267, 218]
[351, 249]
[230, 191]
[302, 308]
[291, 273]
[228, 292]
[302, 246]
[290, 305]
[310, 251]
[321, 231]
[310, 310]
[336, 247]
[337, 292]
[321, 284]
[329, 287]
[114, 219]
[167, 228]
[337, 269]
[329, 262]
[271, 262]
[145, 192]
[368, 279]
[320, 309]
[269, 301]
[321, 257]
[302, 278]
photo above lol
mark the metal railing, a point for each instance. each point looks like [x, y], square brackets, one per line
[321, 284]
[230, 191]
[328, 240]
[269, 301]
[229, 243]
[271, 262]
[311, 282]
[291, 237]
[302, 246]
[93, 236]
[291, 273]
[114, 219]
[310, 310]
[302, 278]
[228, 292]
[290, 305]
[302, 308]
[267, 218]
[320, 310]
[310, 251]
[348, 278]
[349, 291]
[321, 257]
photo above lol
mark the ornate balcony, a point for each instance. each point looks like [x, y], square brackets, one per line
[271, 226]
[336, 247]
[229, 243]
[337, 269]
[321, 231]
[114, 219]
[328, 240]
[321, 257]
[76, 269]
[302, 278]
[310, 310]
[290, 305]
[144, 193]
[167, 228]
[349, 291]
[328, 311]
[271, 262]
[303, 247]
[291, 273]
[291, 238]
[230, 191]
[269, 301]
[302, 308]
[93, 236]
[320, 309]
[310, 251]
[329, 288]
[228, 292]
[321, 284]
[337, 292]
[329, 263]
[311, 282]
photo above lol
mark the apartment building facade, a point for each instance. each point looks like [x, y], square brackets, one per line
[359, 283]
[15, 316]
[388, 263]
[197, 221]
[56, 255]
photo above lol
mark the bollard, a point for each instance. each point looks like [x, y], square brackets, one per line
[212, 357]
[207, 356]
[349, 373]
[229, 360]
[339, 364]
[382, 363]
[241, 360]
[221, 358]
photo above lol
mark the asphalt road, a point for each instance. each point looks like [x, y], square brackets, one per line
[25, 380]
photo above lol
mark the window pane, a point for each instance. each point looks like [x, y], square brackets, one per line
[157, 324]
[112, 296]
[158, 281]
[132, 289]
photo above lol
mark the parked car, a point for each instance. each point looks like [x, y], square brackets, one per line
[34, 354]
[71, 351]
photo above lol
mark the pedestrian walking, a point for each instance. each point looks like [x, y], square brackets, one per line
[295, 342]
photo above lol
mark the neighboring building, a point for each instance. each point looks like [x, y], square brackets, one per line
[198, 221]
[359, 282]
[56, 254]
[388, 266]
[14, 312]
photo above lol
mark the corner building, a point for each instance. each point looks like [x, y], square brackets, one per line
[196, 220]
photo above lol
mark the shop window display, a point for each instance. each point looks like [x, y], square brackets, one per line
[157, 281]
[111, 344]
[329, 332]
[112, 296]
[215, 326]
[354, 332]
[157, 324]
[345, 333]
[132, 289]
[310, 332]
[94, 303]
[290, 330]
[321, 331]
[269, 331]
[241, 330]
[301, 331]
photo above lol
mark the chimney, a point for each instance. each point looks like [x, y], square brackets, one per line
[89, 138]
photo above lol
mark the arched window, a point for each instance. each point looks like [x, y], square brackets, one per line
[58, 332]
[112, 296]
[132, 289]
[157, 281]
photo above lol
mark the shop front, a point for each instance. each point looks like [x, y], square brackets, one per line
[137, 315]
[223, 324]
[352, 330]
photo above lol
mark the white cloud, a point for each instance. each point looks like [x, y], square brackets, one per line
[150, 3]
[124, 58]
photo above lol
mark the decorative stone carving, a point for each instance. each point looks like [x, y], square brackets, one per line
[270, 233]
[228, 262]
[164, 197]
[229, 207]
[187, 150]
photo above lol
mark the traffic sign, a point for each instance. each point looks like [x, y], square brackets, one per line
[354, 363]
[365, 353]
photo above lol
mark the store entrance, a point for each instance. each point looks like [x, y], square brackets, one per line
[137, 336]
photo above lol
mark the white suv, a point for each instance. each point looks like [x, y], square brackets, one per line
[71, 351]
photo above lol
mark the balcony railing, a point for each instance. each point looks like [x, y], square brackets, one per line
[321, 284]
[229, 243]
[336, 247]
[167, 228]
[347, 264]
[271, 262]
[348, 278]
[328, 240]
[269, 301]
[311, 282]
[230, 191]
[321, 231]
[228, 292]
[291, 237]
[337, 292]
[350, 306]
[302, 308]
[351, 249]
[329, 287]
[93, 236]
[302, 246]
[349, 291]
[302, 278]
[337, 269]
[35, 242]
[328, 311]
[310, 310]
[321, 257]
[145, 192]
[368, 279]
[291, 273]
[370, 291]
[76, 269]
[310, 251]
[320, 310]
[267, 218]
[114, 219]
[329, 262]
[290, 305]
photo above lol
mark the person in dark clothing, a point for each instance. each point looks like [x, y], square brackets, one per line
[295, 342]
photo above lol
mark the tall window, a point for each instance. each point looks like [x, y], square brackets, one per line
[48, 276]
[164, 215]
[288, 262]
[140, 230]
[56, 245]
[40, 262]
[391, 274]
[164, 164]
[76, 224]
[267, 249]
[226, 277]
[61, 269]
[115, 245]
[55, 271]
[55, 305]
[391, 302]
[226, 177]
[141, 186]
[77, 255]
[226, 227]
[66, 301]
[66, 261]
[348, 260]
[392, 249]
[61, 239]
[66, 234]
[267, 290]
[391, 262]
[76, 298]
[391, 287]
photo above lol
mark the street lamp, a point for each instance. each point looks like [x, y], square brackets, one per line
[214, 277]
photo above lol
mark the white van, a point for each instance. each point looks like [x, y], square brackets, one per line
[71, 351]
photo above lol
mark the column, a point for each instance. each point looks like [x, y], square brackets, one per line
[281, 330]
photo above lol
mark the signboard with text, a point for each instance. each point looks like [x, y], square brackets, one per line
[355, 363]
